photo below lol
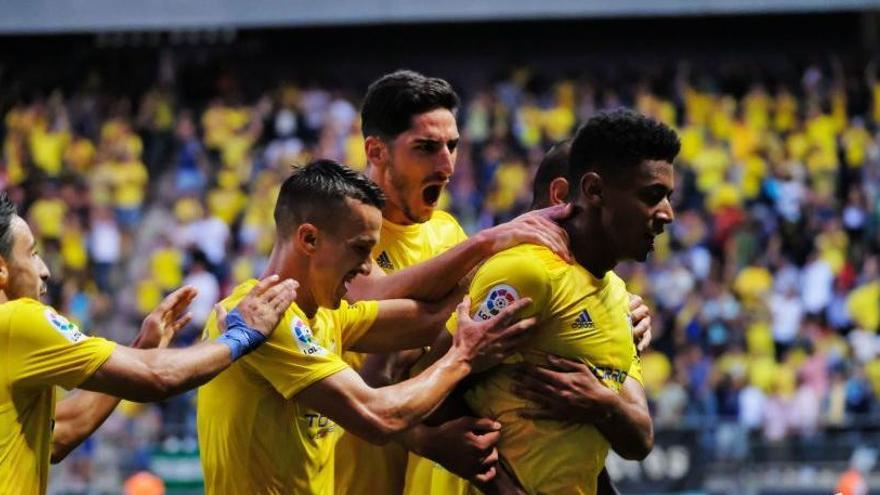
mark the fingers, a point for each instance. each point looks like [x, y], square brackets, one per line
[221, 313]
[280, 296]
[518, 330]
[645, 341]
[563, 364]
[181, 323]
[487, 476]
[178, 300]
[556, 212]
[506, 314]
[634, 302]
[492, 458]
[486, 425]
[264, 285]
[463, 310]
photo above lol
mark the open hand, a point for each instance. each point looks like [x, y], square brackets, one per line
[170, 316]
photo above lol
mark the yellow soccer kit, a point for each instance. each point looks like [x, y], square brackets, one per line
[41, 349]
[361, 467]
[580, 317]
[253, 435]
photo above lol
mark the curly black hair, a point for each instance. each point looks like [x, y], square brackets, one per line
[315, 194]
[394, 99]
[614, 141]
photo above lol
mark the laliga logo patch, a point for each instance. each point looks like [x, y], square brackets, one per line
[500, 297]
[64, 327]
[302, 335]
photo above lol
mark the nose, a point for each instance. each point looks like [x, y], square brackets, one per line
[665, 214]
[43, 270]
[445, 162]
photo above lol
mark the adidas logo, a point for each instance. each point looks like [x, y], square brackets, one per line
[384, 261]
[583, 320]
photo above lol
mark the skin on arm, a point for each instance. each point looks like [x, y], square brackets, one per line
[567, 390]
[149, 375]
[378, 415]
[406, 324]
[435, 278]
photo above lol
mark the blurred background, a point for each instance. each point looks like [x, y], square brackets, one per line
[145, 142]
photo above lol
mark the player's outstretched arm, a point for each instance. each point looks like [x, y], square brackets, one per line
[81, 413]
[567, 390]
[435, 278]
[406, 324]
[149, 375]
[379, 415]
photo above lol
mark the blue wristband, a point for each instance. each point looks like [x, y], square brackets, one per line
[239, 337]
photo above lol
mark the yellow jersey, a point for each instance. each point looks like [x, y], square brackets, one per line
[361, 467]
[253, 436]
[580, 317]
[41, 350]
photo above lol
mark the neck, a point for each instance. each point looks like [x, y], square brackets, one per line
[584, 231]
[3, 297]
[390, 211]
[287, 263]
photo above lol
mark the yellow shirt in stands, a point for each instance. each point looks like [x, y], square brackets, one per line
[253, 436]
[48, 215]
[361, 467]
[579, 317]
[41, 350]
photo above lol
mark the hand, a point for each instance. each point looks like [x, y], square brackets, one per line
[266, 303]
[465, 447]
[484, 344]
[640, 316]
[564, 390]
[536, 227]
[162, 324]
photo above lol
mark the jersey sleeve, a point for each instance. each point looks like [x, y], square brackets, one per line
[504, 279]
[292, 359]
[47, 349]
[353, 320]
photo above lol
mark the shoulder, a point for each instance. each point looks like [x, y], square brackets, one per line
[441, 217]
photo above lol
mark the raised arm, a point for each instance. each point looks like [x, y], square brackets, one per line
[379, 415]
[149, 375]
[435, 278]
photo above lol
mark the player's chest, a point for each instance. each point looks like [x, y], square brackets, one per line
[594, 328]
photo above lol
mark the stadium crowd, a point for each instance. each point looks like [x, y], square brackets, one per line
[765, 290]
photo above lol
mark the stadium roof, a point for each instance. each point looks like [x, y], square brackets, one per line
[67, 16]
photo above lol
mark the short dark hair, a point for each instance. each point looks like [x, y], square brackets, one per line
[394, 99]
[7, 213]
[315, 193]
[613, 141]
[553, 166]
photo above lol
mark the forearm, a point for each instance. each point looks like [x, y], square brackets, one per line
[156, 374]
[429, 280]
[183, 369]
[627, 426]
[77, 417]
[399, 407]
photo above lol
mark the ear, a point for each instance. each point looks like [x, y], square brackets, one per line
[593, 189]
[4, 273]
[306, 238]
[376, 150]
[558, 191]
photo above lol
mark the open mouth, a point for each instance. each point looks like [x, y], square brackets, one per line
[431, 194]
